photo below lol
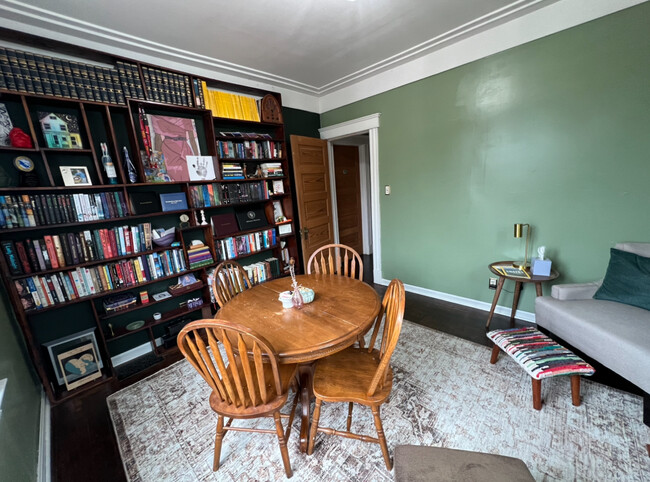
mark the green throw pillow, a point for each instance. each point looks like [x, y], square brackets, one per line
[627, 280]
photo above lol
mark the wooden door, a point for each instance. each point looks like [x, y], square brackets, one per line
[348, 196]
[313, 194]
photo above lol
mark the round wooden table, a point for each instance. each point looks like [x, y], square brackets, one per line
[343, 308]
[538, 280]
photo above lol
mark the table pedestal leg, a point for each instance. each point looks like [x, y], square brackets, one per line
[494, 301]
[515, 302]
[538, 288]
[305, 372]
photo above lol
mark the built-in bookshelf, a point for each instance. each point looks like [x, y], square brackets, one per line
[78, 222]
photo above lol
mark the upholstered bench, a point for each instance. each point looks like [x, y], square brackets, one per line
[541, 357]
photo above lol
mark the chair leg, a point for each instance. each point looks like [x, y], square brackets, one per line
[314, 426]
[382, 438]
[283, 444]
[575, 390]
[350, 406]
[217, 443]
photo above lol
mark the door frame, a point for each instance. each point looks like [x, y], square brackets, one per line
[367, 124]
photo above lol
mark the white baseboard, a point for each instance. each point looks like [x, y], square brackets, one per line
[459, 300]
[131, 354]
[134, 353]
[44, 469]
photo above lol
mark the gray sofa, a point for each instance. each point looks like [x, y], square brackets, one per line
[614, 334]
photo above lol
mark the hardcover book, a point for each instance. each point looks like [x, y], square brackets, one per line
[173, 201]
[145, 202]
[251, 218]
[224, 224]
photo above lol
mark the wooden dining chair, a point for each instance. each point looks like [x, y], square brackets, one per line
[361, 375]
[230, 279]
[336, 259]
[243, 387]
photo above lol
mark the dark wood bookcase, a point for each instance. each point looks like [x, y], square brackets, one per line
[117, 125]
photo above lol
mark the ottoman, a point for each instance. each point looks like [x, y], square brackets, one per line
[541, 357]
[415, 463]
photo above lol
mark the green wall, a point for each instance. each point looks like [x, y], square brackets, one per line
[20, 418]
[555, 133]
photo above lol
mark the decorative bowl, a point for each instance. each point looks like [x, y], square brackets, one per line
[166, 239]
[307, 294]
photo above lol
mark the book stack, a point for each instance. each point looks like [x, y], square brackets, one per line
[199, 256]
[208, 195]
[249, 149]
[234, 247]
[263, 270]
[167, 87]
[230, 106]
[69, 249]
[29, 210]
[37, 292]
[40, 74]
[232, 170]
[272, 169]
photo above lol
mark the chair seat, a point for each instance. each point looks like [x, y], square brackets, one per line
[287, 373]
[345, 377]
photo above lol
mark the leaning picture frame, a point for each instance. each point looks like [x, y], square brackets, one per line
[79, 366]
[62, 347]
[75, 176]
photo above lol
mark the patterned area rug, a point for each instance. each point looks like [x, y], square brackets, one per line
[446, 394]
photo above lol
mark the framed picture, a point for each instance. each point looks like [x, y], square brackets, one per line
[201, 168]
[61, 131]
[75, 176]
[75, 358]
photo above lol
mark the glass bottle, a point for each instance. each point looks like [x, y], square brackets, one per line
[129, 167]
[109, 167]
[296, 299]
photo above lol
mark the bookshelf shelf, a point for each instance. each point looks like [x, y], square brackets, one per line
[140, 306]
[114, 121]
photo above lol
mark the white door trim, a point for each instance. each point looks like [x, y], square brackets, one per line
[369, 124]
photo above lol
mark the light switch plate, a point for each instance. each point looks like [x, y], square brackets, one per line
[387, 190]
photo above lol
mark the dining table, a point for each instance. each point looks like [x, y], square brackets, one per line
[343, 308]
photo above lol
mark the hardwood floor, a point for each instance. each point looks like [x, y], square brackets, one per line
[83, 442]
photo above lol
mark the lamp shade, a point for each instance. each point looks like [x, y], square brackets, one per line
[519, 230]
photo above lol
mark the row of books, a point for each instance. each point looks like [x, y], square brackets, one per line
[69, 249]
[39, 292]
[233, 247]
[40, 74]
[232, 170]
[231, 106]
[199, 256]
[208, 195]
[263, 270]
[30, 210]
[271, 169]
[249, 149]
[168, 87]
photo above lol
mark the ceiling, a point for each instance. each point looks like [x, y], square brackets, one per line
[313, 44]
[310, 47]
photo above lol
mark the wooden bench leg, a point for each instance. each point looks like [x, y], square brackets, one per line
[537, 394]
[575, 390]
[495, 354]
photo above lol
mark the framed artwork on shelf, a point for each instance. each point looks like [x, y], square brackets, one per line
[75, 359]
[201, 168]
[75, 176]
[172, 140]
[5, 126]
[61, 131]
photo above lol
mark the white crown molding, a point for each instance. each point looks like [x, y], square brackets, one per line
[540, 23]
[424, 60]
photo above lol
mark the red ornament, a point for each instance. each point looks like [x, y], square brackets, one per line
[19, 139]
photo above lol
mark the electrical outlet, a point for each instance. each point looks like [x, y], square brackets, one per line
[492, 283]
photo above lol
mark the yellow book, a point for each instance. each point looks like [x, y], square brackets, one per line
[255, 114]
[138, 270]
[206, 96]
[219, 100]
[238, 101]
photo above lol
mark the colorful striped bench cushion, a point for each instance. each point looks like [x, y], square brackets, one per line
[539, 355]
